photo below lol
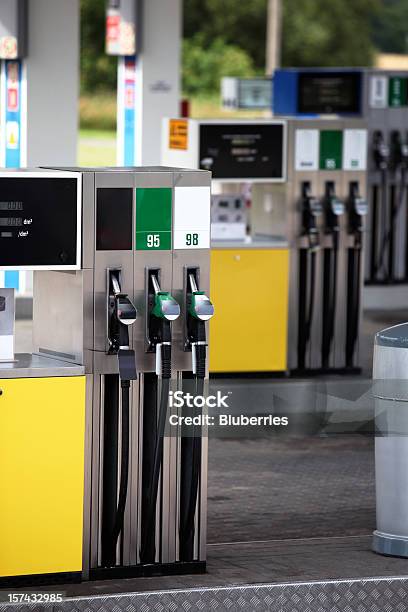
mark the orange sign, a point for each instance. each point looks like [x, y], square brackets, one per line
[178, 134]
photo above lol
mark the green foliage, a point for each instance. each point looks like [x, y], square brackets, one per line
[227, 37]
[315, 32]
[328, 33]
[237, 22]
[390, 27]
[204, 66]
[98, 71]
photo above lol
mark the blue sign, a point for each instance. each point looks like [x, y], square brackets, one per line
[311, 92]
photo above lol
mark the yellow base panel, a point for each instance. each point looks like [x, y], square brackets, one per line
[42, 436]
[249, 290]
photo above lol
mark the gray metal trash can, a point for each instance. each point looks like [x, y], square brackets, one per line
[390, 387]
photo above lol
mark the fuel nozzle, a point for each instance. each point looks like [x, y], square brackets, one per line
[199, 310]
[311, 210]
[333, 209]
[164, 310]
[357, 209]
[399, 151]
[121, 315]
[381, 151]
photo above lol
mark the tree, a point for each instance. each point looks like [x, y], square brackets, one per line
[390, 27]
[98, 70]
[315, 33]
[322, 33]
[204, 66]
[238, 23]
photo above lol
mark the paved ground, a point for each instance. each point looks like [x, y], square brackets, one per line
[299, 488]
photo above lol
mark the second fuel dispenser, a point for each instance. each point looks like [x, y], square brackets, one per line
[300, 258]
[325, 200]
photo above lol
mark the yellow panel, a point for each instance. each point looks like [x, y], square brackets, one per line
[42, 437]
[249, 290]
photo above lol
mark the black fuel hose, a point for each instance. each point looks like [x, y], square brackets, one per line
[394, 213]
[310, 312]
[124, 468]
[153, 489]
[191, 462]
[353, 300]
[330, 272]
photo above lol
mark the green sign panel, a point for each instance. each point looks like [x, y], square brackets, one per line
[331, 149]
[153, 219]
[398, 91]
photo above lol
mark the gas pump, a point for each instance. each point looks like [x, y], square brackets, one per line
[328, 157]
[110, 490]
[379, 97]
[250, 153]
[294, 165]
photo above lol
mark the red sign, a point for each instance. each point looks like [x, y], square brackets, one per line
[13, 98]
[112, 28]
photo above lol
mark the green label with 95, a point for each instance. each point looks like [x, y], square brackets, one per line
[153, 219]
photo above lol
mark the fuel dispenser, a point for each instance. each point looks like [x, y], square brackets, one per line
[104, 487]
[308, 189]
[327, 161]
[241, 154]
[380, 97]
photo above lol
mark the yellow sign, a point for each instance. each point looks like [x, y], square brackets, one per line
[178, 134]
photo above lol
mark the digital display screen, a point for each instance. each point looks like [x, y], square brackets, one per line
[114, 209]
[242, 151]
[10, 222]
[46, 234]
[329, 93]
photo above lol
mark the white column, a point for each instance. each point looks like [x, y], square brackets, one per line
[52, 72]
